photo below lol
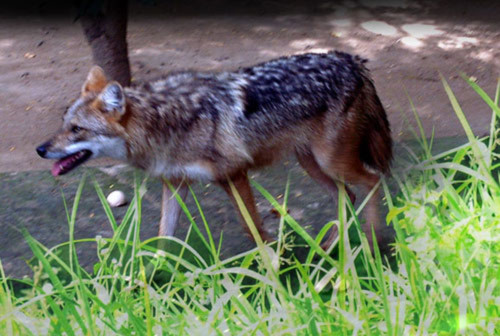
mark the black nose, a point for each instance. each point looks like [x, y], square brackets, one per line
[42, 149]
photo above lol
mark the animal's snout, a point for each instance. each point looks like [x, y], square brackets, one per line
[42, 149]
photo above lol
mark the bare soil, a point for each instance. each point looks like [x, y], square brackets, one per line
[44, 59]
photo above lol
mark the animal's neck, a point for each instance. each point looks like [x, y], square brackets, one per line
[145, 129]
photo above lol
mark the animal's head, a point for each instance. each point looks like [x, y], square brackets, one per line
[91, 126]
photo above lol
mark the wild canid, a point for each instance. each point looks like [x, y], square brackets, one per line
[216, 126]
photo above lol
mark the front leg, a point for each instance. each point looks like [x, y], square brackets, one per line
[170, 209]
[242, 185]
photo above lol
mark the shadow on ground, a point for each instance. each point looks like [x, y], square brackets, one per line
[34, 201]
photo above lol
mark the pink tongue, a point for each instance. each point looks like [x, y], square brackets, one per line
[56, 168]
[60, 166]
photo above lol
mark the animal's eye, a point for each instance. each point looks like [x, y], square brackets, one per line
[76, 129]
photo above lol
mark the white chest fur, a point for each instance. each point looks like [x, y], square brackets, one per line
[197, 171]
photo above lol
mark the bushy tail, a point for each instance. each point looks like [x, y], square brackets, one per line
[376, 145]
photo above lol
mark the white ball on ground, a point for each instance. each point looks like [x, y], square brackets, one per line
[116, 199]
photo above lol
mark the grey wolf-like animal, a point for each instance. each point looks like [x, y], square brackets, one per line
[207, 126]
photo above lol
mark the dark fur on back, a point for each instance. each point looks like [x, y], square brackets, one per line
[292, 89]
[265, 106]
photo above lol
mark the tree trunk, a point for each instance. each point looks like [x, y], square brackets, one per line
[106, 31]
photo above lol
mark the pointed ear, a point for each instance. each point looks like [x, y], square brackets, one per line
[96, 81]
[113, 98]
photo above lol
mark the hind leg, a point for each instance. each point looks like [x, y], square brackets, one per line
[242, 185]
[345, 163]
[371, 214]
[310, 165]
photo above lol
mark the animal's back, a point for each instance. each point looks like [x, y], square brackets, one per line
[275, 94]
[261, 111]
[312, 95]
[289, 90]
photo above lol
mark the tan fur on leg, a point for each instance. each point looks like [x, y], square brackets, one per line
[171, 209]
[242, 185]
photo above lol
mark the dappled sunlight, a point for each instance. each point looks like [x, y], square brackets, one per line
[412, 42]
[418, 32]
[352, 42]
[303, 43]
[458, 42]
[342, 22]
[360, 46]
[319, 50]
[147, 51]
[404, 46]
[421, 31]
[269, 53]
[380, 28]
[313, 50]
[485, 55]
[414, 36]
[6, 43]
[308, 45]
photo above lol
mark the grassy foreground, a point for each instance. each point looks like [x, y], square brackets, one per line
[442, 277]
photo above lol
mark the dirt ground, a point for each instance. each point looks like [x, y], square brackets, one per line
[44, 58]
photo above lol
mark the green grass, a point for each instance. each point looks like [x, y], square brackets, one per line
[442, 277]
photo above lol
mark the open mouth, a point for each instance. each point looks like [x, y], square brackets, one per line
[70, 162]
